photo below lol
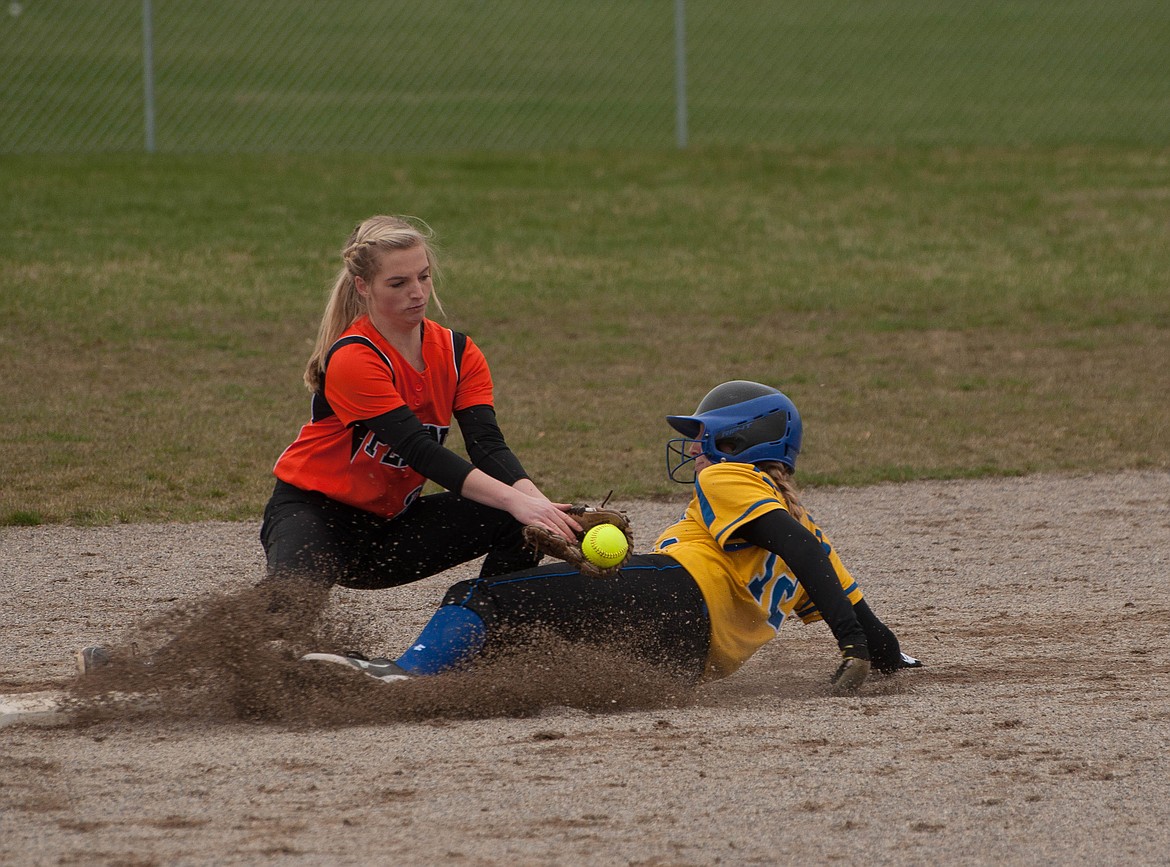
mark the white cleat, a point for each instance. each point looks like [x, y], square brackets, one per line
[379, 667]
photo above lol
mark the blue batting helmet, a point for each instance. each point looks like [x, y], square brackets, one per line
[740, 421]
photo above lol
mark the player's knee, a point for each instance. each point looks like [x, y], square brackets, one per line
[459, 593]
[472, 595]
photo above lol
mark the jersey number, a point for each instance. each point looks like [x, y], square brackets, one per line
[371, 445]
[775, 589]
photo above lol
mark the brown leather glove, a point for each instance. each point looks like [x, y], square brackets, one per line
[569, 550]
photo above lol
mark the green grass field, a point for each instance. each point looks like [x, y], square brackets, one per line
[952, 254]
[934, 312]
[323, 75]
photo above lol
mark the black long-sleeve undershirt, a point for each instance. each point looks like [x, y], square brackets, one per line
[782, 534]
[486, 446]
[401, 430]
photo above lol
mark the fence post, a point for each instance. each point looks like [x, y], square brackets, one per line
[680, 74]
[148, 74]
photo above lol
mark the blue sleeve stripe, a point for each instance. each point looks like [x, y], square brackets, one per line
[743, 517]
[704, 506]
[810, 608]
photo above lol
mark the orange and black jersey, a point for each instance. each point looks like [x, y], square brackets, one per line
[378, 425]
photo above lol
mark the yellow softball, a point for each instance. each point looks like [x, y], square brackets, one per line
[605, 545]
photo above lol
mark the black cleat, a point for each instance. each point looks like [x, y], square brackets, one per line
[90, 659]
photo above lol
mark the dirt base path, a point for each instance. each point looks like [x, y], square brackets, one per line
[1038, 733]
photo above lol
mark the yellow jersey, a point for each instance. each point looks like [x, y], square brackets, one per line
[749, 591]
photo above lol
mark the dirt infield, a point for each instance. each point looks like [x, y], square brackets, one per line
[1039, 733]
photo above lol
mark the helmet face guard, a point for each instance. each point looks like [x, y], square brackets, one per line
[680, 460]
[765, 428]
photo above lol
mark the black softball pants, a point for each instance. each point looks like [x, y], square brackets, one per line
[307, 535]
[651, 608]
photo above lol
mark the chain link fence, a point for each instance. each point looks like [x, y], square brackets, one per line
[285, 76]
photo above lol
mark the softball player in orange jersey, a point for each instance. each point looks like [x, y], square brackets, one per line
[386, 383]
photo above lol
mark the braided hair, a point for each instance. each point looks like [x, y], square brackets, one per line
[782, 476]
